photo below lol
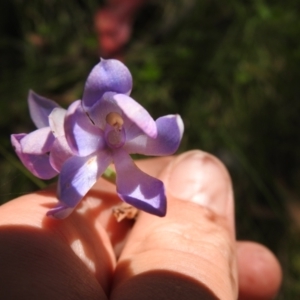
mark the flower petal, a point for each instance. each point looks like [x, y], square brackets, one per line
[60, 152]
[137, 114]
[56, 121]
[37, 142]
[107, 76]
[102, 108]
[138, 188]
[38, 165]
[78, 175]
[83, 137]
[60, 211]
[170, 130]
[40, 108]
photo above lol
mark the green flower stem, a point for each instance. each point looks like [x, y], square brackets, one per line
[110, 175]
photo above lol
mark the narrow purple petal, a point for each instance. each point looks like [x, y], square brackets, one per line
[78, 175]
[56, 121]
[60, 211]
[38, 165]
[138, 188]
[37, 142]
[40, 108]
[137, 114]
[170, 130]
[107, 76]
[60, 152]
[83, 137]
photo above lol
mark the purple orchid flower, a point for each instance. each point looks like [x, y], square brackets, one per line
[106, 127]
[44, 150]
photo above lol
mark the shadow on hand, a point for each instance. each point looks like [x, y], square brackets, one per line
[157, 284]
[35, 264]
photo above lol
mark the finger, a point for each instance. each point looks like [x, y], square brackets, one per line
[53, 259]
[74, 252]
[117, 231]
[259, 272]
[190, 253]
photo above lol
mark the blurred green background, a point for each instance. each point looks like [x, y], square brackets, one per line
[230, 69]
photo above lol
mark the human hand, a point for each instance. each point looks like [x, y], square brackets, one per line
[189, 254]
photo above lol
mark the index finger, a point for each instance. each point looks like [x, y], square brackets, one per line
[190, 253]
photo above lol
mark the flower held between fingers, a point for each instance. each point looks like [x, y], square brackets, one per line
[105, 127]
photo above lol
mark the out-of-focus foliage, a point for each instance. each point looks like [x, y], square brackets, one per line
[48, 46]
[231, 69]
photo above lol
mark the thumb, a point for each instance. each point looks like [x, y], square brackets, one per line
[190, 253]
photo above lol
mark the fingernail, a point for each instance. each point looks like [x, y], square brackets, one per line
[199, 177]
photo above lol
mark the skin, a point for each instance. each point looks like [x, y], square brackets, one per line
[189, 254]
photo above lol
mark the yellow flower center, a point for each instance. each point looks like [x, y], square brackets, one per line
[115, 120]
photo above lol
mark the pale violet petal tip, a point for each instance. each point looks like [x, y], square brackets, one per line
[109, 75]
[138, 188]
[60, 211]
[38, 165]
[40, 108]
[170, 130]
[180, 125]
[155, 205]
